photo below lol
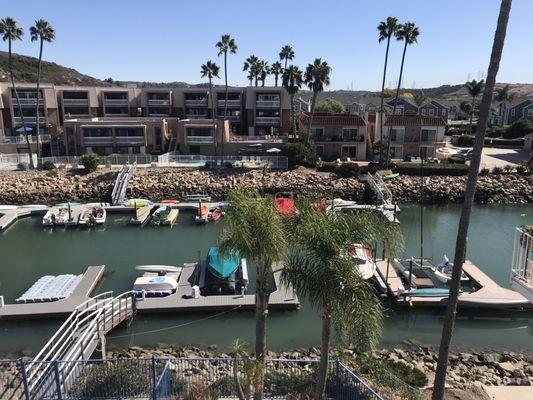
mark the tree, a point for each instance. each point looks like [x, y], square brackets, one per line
[298, 153]
[419, 99]
[474, 89]
[42, 32]
[226, 43]
[90, 162]
[292, 81]
[249, 65]
[504, 96]
[276, 70]
[316, 78]
[263, 69]
[470, 191]
[256, 230]
[286, 53]
[466, 108]
[211, 70]
[387, 29]
[10, 32]
[319, 268]
[407, 32]
[331, 106]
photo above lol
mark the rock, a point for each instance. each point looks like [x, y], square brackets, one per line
[507, 366]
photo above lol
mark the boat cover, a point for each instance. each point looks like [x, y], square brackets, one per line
[285, 206]
[155, 283]
[222, 267]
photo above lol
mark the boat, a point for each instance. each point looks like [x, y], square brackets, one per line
[137, 203]
[164, 215]
[169, 201]
[284, 203]
[443, 271]
[224, 275]
[391, 176]
[68, 203]
[361, 255]
[142, 214]
[159, 269]
[414, 274]
[92, 215]
[202, 217]
[197, 197]
[216, 214]
[58, 216]
[157, 281]
[428, 292]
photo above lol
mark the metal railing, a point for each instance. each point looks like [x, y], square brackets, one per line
[273, 162]
[158, 102]
[87, 140]
[27, 101]
[195, 116]
[22, 139]
[267, 103]
[229, 117]
[75, 102]
[200, 139]
[121, 183]
[259, 139]
[196, 103]
[129, 139]
[522, 261]
[267, 120]
[116, 102]
[231, 103]
[30, 120]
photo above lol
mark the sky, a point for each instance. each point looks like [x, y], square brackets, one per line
[165, 40]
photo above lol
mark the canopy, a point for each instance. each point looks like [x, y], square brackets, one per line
[274, 150]
[24, 129]
[285, 206]
[222, 267]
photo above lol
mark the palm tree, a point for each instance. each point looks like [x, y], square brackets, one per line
[286, 53]
[226, 43]
[419, 98]
[256, 230]
[263, 69]
[475, 88]
[407, 32]
[276, 70]
[319, 268]
[10, 31]
[248, 65]
[211, 70]
[43, 32]
[387, 29]
[503, 95]
[470, 191]
[316, 78]
[292, 81]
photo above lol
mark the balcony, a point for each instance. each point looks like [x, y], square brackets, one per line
[27, 102]
[339, 139]
[196, 103]
[268, 120]
[200, 140]
[22, 139]
[98, 140]
[231, 103]
[267, 103]
[233, 118]
[158, 102]
[76, 102]
[258, 139]
[195, 116]
[133, 140]
[30, 120]
[116, 102]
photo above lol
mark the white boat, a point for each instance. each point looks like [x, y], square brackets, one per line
[159, 269]
[361, 255]
[164, 215]
[7, 207]
[157, 280]
[57, 216]
[197, 197]
[92, 215]
[443, 153]
[443, 272]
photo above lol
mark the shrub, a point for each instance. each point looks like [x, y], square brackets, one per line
[373, 167]
[22, 166]
[348, 169]
[484, 171]
[432, 169]
[508, 168]
[519, 129]
[521, 170]
[90, 162]
[466, 140]
[51, 174]
[519, 142]
[410, 375]
[497, 170]
[327, 166]
[48, 165]
[298, 153]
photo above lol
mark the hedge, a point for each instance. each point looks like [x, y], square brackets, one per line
[432, 169]
[505, 142]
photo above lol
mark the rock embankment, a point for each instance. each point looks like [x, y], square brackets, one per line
[161, 183]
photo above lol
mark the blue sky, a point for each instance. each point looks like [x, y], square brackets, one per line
[165, 40]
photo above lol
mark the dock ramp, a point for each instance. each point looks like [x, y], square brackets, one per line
[383, 194]
[121, 183]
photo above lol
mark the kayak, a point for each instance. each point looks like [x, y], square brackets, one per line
[169, 201]
[391, 176]
[137, 203]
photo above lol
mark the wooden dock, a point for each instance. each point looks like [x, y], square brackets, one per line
[81, 293]
[10, 216]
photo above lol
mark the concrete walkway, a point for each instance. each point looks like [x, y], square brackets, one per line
[509, 392]
[497, 157]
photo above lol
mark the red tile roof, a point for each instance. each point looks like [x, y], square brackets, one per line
[334, 119]
[414, 120]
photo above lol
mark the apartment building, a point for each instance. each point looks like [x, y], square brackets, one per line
[338, 135]
[521, 109]
[413, 135]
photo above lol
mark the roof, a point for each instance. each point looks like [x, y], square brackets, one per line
[414, 120]
[334, 119]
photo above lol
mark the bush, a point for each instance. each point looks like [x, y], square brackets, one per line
[51, 174]
[348, 170]
[466, 140]
[373, 167]
[48, 165]
[298, 153]
[484, 171]
[508, 168]
[327, 166]
[410, 375]
[519, 142]
[432, 169]
[90, 162]
[521, 170]
[519, 129]
[22, 166]
[497, 170]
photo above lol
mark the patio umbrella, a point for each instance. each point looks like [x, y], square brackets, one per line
[274, 150]
[24, 129]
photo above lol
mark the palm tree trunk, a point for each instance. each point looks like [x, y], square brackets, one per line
[293, 120]
[226, 82]
[286, 63]
[19, 106]
[236, 380]
[382, 101]
[324, 355]
[460, 246]
[276, 80]
[261, 311]
[472, 113]
[255, 80]
[387, 156]
[37, 127]
[313, 102]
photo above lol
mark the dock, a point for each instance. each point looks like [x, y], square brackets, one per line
[284, 297]
[142, 215]
[80, 294]
[11, 215]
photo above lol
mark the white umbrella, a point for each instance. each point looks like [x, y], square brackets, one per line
[274, 150]
[24, 129]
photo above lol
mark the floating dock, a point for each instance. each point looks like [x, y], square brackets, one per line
[142, 215]
[11, 215]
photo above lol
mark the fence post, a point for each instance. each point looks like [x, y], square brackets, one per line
[58, 380]
[337, 378]
[154, 380]
[27, 395]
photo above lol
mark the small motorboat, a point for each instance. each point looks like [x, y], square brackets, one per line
[443, 271]
[92, 215]
[157, 281]
[164, 215]
[224, 275]
[427, 292]
[202, 217]
[197, 197]
[284, 203]
[361, 255]
[216, 214]
[57, 216]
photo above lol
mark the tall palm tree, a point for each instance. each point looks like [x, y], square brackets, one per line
[319, 268]
[419, 99]
[276, 70]
[263, 70]
[317, 76]
[248, 65]
[407, 32]
[256, 230]
[470, 191]
[286, 53]
[475, 88]
[43, 32]
[10, 32]
[387, 29]
[292, 80]
[504, 96]
[226, 43]
[211, 70]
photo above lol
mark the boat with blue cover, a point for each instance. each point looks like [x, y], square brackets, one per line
[224, 275]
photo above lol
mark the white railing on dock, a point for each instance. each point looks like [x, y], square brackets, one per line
[521, 278]
[274, 162]
[383, 194]
[121, 184]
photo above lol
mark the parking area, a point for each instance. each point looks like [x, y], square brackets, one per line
[497, 157]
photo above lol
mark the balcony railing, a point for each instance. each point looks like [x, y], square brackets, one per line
[267, 103]
[76, 102]
[230, 117]
[98, 140]
[158, 102]
[196, 103]
[27, 102]
[267, 120]
[231, 103]
[195, 116]
[30, 120]
[116, 102]
[200, 139]
[258, 139]
[325, 138]
[22, 139]
[129, 139]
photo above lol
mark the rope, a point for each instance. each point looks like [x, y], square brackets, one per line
[173, 326]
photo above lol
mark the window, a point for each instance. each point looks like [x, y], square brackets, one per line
[320, 151]
[399, 110]
[512, 112]
[428, 135]
[398, 152]
[424, 111]
[349, 151]
[431, 112]
[426, 152]
[349, 134]
[317, 132]
[443, 112]
[397, 134]
[530, 113]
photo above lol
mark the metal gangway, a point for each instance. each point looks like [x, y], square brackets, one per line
[121, 183]
[52, 372]
[383, 194]
[521, 279]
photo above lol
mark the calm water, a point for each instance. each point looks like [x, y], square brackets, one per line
[27, 251]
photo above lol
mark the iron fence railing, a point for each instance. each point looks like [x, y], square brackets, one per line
[273, 162]
[180, 378]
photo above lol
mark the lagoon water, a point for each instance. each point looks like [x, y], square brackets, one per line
[28, 251]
